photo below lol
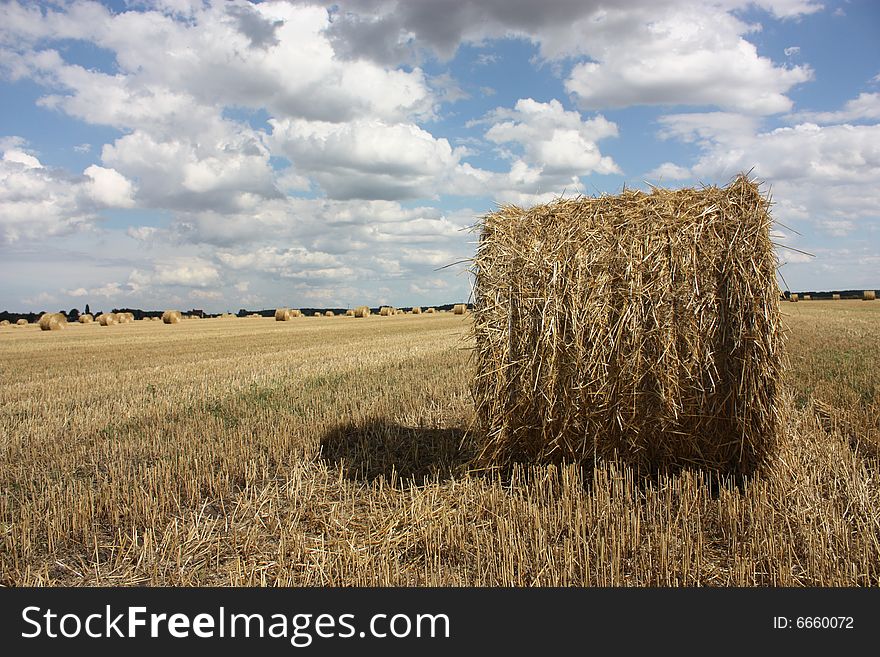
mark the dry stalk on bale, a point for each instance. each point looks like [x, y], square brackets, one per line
[362, 311]
[639, 326]
[171, 317]
[52, 321]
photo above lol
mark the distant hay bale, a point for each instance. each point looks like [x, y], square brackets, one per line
[416, 310]
[835, 297]
[869, 295]
[124, 318]
[283, 315]
[317, 313]
[4, 322]
[21, 321]
[459, 309]
[171, 317]
[106, 319]
[386, 311]
[807, 297]
[349, 312]
[86, 319]
[362, 311]
[431, 311]
[329, 313]
[793, 298]
[651, 333]
[52, 321]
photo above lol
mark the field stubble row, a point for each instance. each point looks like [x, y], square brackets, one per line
[335, 452]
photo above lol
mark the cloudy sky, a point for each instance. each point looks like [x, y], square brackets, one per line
[222, 155]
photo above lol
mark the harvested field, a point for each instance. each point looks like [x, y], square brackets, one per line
[267, 453]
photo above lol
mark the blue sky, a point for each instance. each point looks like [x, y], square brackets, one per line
[220, 155]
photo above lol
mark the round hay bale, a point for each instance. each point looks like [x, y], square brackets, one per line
[329, 313]
[869, 295]
[835, 297]
[172, 317]
[52, 322]
[349, 312]
[386, 311]
[4, 322]
[807, 297]
[86, 319]
[317, 313]
[107, 319]
[431, 311]
[362, 311]
[283, 314]
[416, 310]
[793, 298]
[651, 335]
[21, 322]
[459, 309]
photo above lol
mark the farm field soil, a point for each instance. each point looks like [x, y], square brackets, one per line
[334, 451]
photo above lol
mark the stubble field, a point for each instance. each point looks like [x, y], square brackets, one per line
[335, 451]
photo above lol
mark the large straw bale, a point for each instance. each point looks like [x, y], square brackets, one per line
[329, 313]
[4, 322]
[283, 315]
[86, 318]
[869, 295]
[416, 310]
[21, 321]
[835, 297]
[386, 311]
[106, 319]
[171, 317]
[52, 321]
[459, 309]
[362, 311]
[349, 312]
[643, 326]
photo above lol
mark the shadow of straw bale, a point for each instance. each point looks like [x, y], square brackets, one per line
[375, 448]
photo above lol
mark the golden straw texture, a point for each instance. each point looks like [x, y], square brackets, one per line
[640, 326]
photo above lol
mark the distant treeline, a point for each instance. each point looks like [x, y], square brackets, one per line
[844, 294]
[74, 313]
